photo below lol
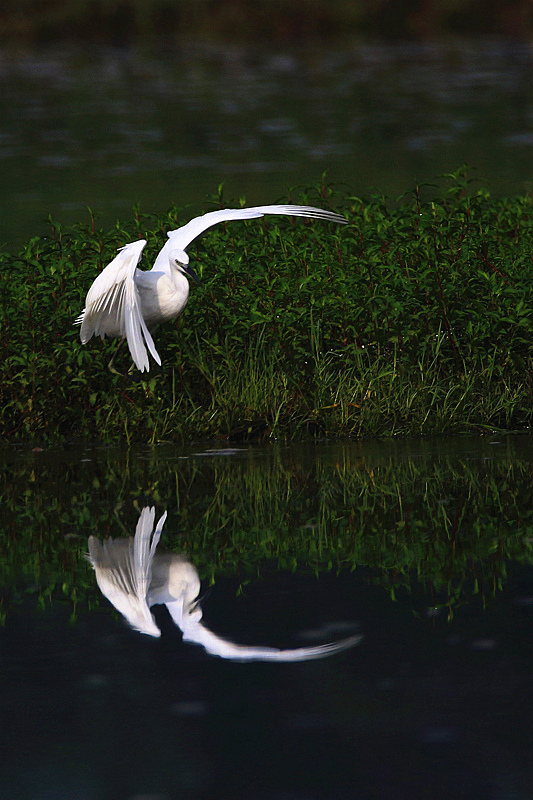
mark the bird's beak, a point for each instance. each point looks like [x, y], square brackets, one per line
[189, 270]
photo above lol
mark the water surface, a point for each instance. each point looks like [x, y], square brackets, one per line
[108, 127]
[423, 546]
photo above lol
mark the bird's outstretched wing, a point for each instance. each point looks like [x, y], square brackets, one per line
[113, 306]
[194, 631]
[182, 237]
[123, 569]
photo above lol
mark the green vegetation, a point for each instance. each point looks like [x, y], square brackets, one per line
[414, 318]
[439, 526]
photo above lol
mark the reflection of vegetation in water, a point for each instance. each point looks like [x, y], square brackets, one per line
[414, 318]
[448, 525]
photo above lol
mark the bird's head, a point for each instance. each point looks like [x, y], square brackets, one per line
[180, 261]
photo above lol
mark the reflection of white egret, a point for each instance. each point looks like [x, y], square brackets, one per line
[133, 576]
[126, 303]
[123, 570]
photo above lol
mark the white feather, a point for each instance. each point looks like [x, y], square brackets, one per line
[113, 306]
[182, 237]
[123, 569]
[133, 576]
[125, 302]
[194, 631]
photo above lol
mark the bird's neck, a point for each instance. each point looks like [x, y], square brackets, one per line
[178, 279]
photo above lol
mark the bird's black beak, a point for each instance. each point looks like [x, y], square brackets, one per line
[189, 270]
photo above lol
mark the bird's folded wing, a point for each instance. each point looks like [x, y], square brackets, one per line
[113, 306]
[182, 237]
[144, 546]
[123, 569]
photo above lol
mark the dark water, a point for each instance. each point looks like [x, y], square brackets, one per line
[105, 127]
[423, 546]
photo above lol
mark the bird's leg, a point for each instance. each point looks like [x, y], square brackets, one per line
[111, 365]
[115, 371]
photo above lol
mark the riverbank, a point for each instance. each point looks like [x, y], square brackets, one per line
[414, 318]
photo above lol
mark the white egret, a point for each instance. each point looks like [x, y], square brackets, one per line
[134, 577]
[126, 303]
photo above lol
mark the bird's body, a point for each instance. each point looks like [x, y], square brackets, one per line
[127, 303]
[134, 577]
[163, 296]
